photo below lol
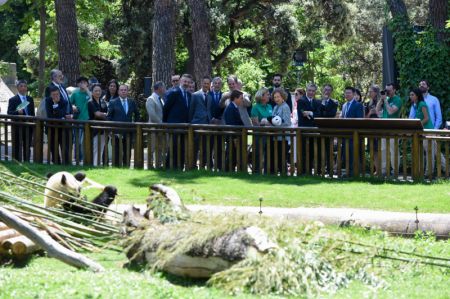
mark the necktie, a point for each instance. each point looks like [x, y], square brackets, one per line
[125, 106]
[216, 94]
[185, 97]
[24, 99]
[206, 97]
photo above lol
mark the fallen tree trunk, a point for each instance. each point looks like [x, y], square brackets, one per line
[170, 239]
[53, 248]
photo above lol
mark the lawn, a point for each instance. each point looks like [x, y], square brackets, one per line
[200, 187]
[43, 277]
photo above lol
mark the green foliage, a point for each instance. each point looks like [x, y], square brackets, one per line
[421, 56]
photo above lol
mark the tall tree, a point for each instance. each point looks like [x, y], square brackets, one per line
[42, 45]
[164, 33]
[200, 39]
[438, 15]
[68, 46]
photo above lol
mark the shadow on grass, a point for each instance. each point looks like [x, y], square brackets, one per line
[173, 279]
[181, 177]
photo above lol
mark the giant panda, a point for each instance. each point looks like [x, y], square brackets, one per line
[64, 182]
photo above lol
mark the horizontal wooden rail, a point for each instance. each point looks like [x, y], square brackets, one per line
[326, 152]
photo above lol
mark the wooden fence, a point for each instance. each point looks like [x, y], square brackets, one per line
[331, 152]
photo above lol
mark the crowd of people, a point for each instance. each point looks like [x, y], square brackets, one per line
[210, 104]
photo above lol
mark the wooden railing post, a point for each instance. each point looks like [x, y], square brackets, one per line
[139, 148]
[87, 145]
[38, 142]
[191, 148]
[415, 157]
[356, 154]
[244, 156]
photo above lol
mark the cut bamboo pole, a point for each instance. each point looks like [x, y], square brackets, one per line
[3, 226]
[20, 246]
[7, 234]
[53, 248]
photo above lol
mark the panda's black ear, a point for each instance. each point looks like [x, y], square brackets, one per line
[80, 176]
[63, 179]
[49, 175]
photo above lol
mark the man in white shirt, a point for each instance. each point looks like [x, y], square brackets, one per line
[434, 109]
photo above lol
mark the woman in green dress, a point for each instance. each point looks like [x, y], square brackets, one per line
[420, 108]
[420, 111]
[261, 115]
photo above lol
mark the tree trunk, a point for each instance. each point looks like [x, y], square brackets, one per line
[164, 30]
[437, 15]
[397, 8]
[200, 39]
[68, 46]
[42, 45]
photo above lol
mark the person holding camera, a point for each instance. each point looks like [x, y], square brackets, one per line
[389, 107]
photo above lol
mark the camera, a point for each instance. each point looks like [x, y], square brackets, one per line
[383, 92]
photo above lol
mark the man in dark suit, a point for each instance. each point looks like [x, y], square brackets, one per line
[58, 137]
[309, 108]
[232, 117]
[22, 136]
[176, 110]
[122, 109]
[217, 118]
[57, 78]
[329, 109]
[200, 112]
[276, 81]
[351, 109]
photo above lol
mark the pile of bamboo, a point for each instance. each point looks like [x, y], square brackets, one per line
[13, 244]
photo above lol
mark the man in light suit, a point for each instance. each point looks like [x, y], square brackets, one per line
[351, 109]
[122, 109]
[200, 112]
[176, 110]
[22, 136]
[154, 107]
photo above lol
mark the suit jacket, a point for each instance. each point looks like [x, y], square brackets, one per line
[16, 101]
[288, 100]
[200, 111]
[63, 97]
[216, 111]
[154, 109]
[304, 105]
[356, 110]
[57, 111]
[232, 116]
[175, 109]
[329, 109]
[116, 111]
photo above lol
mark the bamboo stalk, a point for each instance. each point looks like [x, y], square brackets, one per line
[53, 248]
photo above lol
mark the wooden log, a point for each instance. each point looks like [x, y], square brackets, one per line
[217, 254]
[20, 246]
[53, 248]
[7, 234]
[3, 226]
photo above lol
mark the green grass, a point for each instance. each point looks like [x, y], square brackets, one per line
[43, 277]
[200, 187]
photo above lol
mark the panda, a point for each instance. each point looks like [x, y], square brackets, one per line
[64, 182]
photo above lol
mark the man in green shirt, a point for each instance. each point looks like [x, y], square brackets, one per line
[79, 101]
[389, 107]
